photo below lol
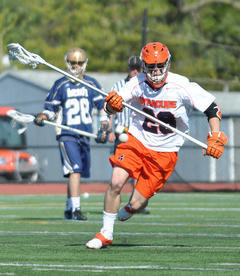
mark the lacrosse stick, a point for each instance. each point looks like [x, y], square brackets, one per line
[18, 53]
[27, 118]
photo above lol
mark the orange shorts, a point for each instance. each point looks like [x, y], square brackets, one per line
[151, 168]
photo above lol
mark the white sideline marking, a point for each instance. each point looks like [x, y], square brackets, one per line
[118, 267]
[189, 224]
[199, 209]
[143, 246]
[120, 233]
[67, 270]
[227, 264]
[181, 224]
[10, 216]
[93, 208]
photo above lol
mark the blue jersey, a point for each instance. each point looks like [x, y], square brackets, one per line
[73, 104]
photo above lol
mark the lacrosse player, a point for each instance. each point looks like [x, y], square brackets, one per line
[71, 103]
[151, 152]
[122, 119]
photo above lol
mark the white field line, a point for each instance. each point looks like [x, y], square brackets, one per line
[190, 224]
[68, 270]
[202, 217]
[100, 208]
[146, 267]
[139, 246]
[8, 207]
[227, 264]
[197, 209]
[162, 217]
[119, 233]
[161, 195]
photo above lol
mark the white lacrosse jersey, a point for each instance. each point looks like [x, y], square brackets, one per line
[171, 104]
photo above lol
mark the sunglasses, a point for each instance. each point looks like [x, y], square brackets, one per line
[80, 63]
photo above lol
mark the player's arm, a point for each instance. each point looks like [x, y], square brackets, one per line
[50, 108]
[216, 140]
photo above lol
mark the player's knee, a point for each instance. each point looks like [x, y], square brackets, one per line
[116, 185]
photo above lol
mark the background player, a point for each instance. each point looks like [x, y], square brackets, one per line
[71, 103]
[151, 152]
[122, 120]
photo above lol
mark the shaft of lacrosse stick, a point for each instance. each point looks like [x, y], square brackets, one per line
[17, 52]
[27, 118]
[80, 132]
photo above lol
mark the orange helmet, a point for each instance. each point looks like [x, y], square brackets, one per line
[156, 63]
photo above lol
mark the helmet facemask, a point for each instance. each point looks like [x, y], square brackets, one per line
[76, 62]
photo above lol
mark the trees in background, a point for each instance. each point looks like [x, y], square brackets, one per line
[202, 36]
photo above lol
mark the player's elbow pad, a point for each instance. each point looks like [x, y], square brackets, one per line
[213, 111]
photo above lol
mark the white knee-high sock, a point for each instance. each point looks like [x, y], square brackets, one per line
[108, 221]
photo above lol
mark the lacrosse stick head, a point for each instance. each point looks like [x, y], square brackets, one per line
[18, 117]
[18, 53]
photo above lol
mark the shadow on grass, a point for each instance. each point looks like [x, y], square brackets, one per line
[128, 245]
[105, 247]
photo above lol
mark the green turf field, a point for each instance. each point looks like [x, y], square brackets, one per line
[184, 234]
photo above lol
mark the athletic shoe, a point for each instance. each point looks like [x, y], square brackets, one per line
[126, 213]
[78, 215]
[67, 215]
[143, 212]
[100, 241]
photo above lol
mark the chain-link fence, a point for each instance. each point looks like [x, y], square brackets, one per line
[194, 167]
[43, 163]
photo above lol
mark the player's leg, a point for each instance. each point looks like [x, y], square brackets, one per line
[111, 207]
[142, 210]
[127, 162]
[155, 173]
[68, 207]
[112, 196]
[72, 156]
[74, 195]
[136, 202]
